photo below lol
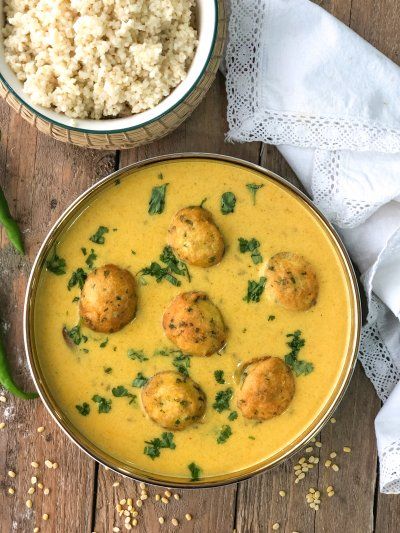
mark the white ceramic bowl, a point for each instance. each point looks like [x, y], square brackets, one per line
[206, 20]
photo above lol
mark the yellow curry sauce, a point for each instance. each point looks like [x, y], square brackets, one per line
[280, 222]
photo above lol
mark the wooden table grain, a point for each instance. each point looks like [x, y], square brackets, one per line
[41, 177]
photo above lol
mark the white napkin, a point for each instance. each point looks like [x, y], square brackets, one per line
[300, 79]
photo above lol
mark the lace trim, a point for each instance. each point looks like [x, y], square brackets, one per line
[389, 461]
[327, 191]
[247, 119]
[374, 355]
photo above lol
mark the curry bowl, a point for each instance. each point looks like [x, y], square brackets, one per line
[192, 320]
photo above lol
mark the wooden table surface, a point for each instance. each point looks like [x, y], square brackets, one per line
[41, 177]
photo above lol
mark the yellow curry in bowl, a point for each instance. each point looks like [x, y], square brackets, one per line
[193, 320]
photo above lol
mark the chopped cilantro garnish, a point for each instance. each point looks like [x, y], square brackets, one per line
[104, 343]
[251, 246]
[219, 376]
[78, 278]
[56, 264]
[157, 199]
[222, 399]
[108, 370]
[253, 188]
[155, 445]
[139, 381]
[75, 335]
[182, 362]
[159, 273]
[104, 406]
[251, 437]
[296, 344]
[137, 355]
[224, 434]
[91, 258]
[84, 251]
[121, 391]
[83, 409]
[232, 416]
[228, 202]
[271, 318]
[75, 299]
[255, 290]
[98, 237]
[174, 264]
[195, 471]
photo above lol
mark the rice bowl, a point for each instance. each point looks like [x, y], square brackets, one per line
[99, 58]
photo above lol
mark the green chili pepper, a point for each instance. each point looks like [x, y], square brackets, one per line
[7, 381]
[11, 227]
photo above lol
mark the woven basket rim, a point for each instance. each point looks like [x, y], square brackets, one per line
[138, 126]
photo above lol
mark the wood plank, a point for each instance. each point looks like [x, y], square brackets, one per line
[212, 509]
[40, 178]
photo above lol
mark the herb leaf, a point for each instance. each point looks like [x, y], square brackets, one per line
[78, 278]
[157, 199]
[228, 202]
[255, 290]
[271, 318]
[253, 188]
[155, 445]
[104, 343]
[174, 264]
[137, 355]
[98, 237]
[222, 399]
[224, 434]
[104, 406]
[75, 335]
[159, 273]
[219, 376]
[56, 264]
[83, 409]
[251, 246]
[195, 471]
[232, 416]
[296, 344]
[91, 258]
[121, 391]
[182, 362]
[139, 381]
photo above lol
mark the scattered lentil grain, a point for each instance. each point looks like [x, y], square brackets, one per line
[282, 493]
[11, 490]
[28, 503]
[346, 449]
[2, 425]
[45, 517]
[34, 464]
[174, 522]
[40, 429]
[188, 517]
[161, 520]
[276, 526]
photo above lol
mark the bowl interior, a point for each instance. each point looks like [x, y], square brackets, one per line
[34, 360]
[206, 22]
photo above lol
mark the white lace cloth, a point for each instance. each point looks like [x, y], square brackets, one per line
[300, 79]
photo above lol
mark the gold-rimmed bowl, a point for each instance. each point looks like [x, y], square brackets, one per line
[331, 403]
